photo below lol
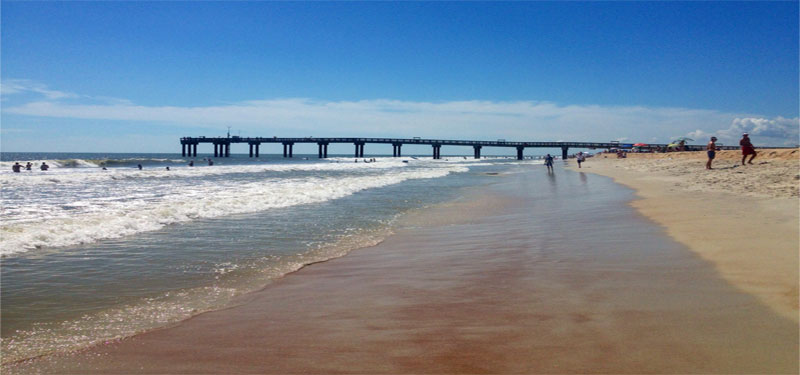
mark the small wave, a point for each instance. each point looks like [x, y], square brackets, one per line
[138, 216]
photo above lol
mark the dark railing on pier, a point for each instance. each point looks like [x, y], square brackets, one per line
[222, 145]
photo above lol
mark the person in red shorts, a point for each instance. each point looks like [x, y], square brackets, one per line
[747, 148]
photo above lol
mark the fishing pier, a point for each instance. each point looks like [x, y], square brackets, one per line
[222, 145]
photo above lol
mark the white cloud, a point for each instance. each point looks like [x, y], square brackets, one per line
[778, 131]
[472, 119]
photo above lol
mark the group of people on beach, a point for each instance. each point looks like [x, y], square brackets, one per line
[17, 167]
[746, 145]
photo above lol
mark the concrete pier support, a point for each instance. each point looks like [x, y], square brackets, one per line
[216, 150]
[519, 152]
[396, 149]
[227, 150]
[564, 152]
[251, 149]
[183, 150]
[477, 151]
[288, 146]
[359, 150]
[323, 150]
[258, 145]
[194, 153]
[437, 151]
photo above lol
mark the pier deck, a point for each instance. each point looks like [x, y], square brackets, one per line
[222, 145]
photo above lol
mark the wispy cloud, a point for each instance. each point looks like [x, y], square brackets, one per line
[19, 86]
[521, 120]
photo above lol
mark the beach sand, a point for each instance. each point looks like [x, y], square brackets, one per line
[508, 280]
[742, 218]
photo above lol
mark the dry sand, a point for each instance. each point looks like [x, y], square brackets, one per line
[491, 284]
[742, 218]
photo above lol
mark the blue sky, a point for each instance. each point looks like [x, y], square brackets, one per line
[135, 76]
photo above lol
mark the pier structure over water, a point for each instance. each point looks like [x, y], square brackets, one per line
[222, 145]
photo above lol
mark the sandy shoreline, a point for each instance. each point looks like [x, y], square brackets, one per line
[498, 282]
[744, 219]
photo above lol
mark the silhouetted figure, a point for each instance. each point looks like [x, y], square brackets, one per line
[191, 163]
[16, 167]
[28, 166]
[139, 166]
[548, 162]
[44, 166]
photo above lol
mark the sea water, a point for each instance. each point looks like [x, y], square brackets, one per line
[96, 249]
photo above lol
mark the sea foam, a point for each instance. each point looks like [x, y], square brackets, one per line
[136, 207]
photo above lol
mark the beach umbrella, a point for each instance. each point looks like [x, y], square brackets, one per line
[672, 145]
[639, 144]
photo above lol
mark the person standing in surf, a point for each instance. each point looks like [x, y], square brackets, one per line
[548, 162]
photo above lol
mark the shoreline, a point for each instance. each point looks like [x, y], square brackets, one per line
[464, 287]
[745, 227]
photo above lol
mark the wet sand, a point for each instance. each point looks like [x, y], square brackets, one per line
[535, 274]
[743, 219]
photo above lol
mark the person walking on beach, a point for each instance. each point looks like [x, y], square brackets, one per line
[548, 162]
[711, 149]
[580, 158]
[747, 149]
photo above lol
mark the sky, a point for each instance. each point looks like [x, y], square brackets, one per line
[108, 76]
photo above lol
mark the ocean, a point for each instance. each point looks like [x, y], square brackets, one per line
[96, 249]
